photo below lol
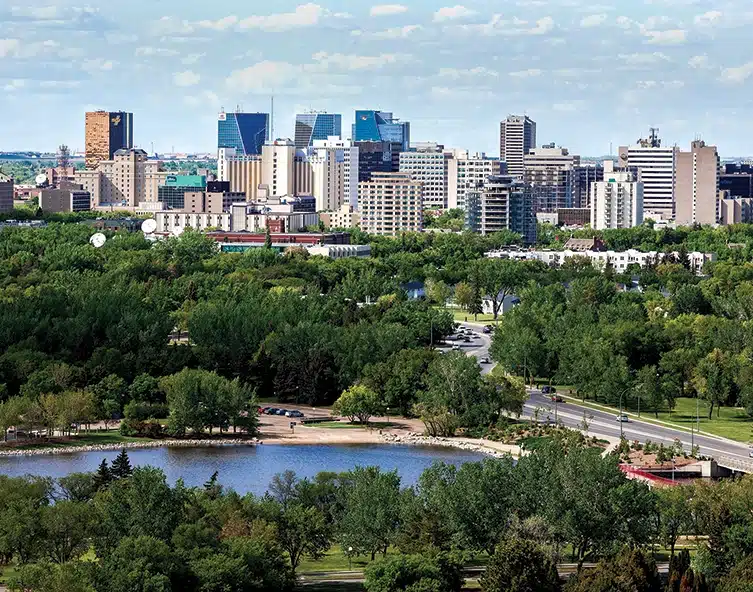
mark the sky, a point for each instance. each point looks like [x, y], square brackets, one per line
[590, 73]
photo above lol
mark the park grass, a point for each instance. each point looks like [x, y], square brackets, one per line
[334, 560]
[7, 572]
[91, 439]
[732, 422]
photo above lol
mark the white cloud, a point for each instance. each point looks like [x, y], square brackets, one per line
[97, 65]
[324, 61]
[205, 98]
[593, 20]
[737, 75]
[305, 15]
[639, 59]
[708, 18]
[41, 13]
[500, 26]
[449, 13]
[9, 47]
[169, 25]
[699, 62]
[396, 32]
[192, 58]
[14, 85]
[220, 24]
[456, 73]
[669, 37]
[387, 9]
[530, 73]
[624, 22]
[187, 78]
[155, 51]
[266, 75]
[569, 106]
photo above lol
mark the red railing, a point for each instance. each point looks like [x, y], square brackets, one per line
[647, 476]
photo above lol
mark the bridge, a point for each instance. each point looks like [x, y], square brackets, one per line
[736, 465]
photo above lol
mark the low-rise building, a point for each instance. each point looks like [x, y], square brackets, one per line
[69, 197]
[736, 210]
[346, 217]
[620, 261]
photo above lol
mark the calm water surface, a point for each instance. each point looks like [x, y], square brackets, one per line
[248, 469]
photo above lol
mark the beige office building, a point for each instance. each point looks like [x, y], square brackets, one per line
[465, 172]
[346, 217]
[391, 203]
[517, 136]
[428, 166]
[551, 174]
[127, 180]
[697, 185]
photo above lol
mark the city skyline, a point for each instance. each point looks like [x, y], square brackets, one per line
[452, 71]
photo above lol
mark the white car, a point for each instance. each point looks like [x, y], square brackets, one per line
[622, 418]
[485, 360]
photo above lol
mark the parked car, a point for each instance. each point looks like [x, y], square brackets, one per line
[487, 329]
[271, 411]
[622, 418]
[455, 348]
[467, 339]
[281, 412]
[557, 399]
[485, 360]
[548, 390]
[294, 413]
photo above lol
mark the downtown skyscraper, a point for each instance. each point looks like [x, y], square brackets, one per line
[517, 136]
[316, 126]
[245, 133]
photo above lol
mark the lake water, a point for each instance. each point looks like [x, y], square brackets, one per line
[247, 469]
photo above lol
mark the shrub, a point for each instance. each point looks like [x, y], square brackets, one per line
[415, 573]
[141, 429]
[142, 411]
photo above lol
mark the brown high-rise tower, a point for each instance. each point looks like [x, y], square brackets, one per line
[106, 133]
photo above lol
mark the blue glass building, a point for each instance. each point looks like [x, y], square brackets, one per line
[316, 126]
[381, 126]
[246, 132]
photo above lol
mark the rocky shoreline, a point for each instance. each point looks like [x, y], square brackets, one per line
[196, 443]
[415, 439]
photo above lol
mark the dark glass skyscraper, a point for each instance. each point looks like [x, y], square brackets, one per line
[245, 132]
[316, 126]
[381, 126]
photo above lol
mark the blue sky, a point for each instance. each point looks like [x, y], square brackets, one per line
[588, 72]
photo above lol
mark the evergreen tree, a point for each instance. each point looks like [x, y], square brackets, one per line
[267, 238]
[121, 466]
[103, 476]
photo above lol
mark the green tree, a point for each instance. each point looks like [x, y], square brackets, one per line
[371, 510]
[145, 389]
[520, 566]
[674, 514]
[740, 578]
[464, 295]
[140, 563]
[358, 402]
[505, 394]
[437, 292]
[499, 278]
[66, 528]
[630, 571]
[713, 380]
[103, 476]
[79, 487]
[48, 577]
[650, 388]
[121, 466]
[302, 531]
[414, 573]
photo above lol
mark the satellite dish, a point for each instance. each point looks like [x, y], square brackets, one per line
[149, 226]
[178, 230]
[98, 240]
[41, 179]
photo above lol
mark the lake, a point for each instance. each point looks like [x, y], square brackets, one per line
[248, 469]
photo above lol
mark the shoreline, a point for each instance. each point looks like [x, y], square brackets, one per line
[193, 443]
[477, 446]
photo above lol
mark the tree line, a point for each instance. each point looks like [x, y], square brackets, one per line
[122, 529]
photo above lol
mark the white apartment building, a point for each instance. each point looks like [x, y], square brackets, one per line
[128, 179]
[391, 203]
[656, 169]
[619, 260]
[429, 168]
[334, 170]
[466, 172]
[617, 201]
[551, 174]
[517, 136]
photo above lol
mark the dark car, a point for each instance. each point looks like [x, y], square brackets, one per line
[547, 390]
[294, 413]
[557, 399]
[467, 339]
[281, 412]
[487, 329]
[270, 411]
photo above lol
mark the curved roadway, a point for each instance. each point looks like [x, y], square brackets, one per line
[603, 423]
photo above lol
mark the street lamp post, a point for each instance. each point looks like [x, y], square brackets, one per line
[622, 394]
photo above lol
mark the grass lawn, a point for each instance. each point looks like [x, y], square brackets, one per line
[334, 560]
[90, 439]
[6, 572]
[732, 423]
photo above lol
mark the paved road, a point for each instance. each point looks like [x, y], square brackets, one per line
[479, 346]
[602, 423]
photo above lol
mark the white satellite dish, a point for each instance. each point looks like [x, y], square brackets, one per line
[149, 226]
[178, 230]
[41, 179]
[98, 240]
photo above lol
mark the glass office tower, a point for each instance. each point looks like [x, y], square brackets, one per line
[244, 132]
[381, 126]
[316, 126]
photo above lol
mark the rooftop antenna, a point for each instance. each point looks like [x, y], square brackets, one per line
[272, 122]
